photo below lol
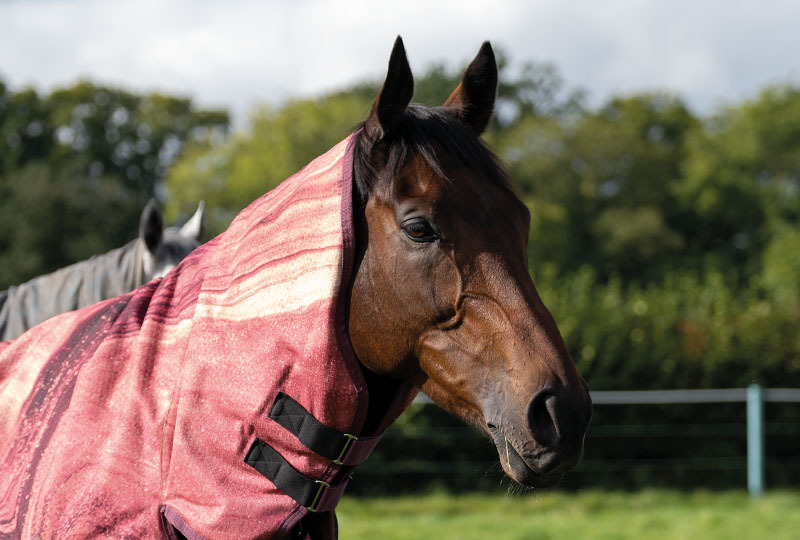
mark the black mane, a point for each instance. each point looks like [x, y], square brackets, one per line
[425, 131]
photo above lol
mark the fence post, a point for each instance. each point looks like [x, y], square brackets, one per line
[755, 440]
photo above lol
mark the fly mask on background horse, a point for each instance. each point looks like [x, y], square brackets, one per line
[234, 396]
[166, 247]
[154, 253]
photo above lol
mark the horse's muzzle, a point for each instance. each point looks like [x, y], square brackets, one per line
[556, 423]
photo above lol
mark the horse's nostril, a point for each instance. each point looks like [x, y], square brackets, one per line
[542, 418]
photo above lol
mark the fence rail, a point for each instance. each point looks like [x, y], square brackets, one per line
[754, 396]
[656, 397]
[720, 395]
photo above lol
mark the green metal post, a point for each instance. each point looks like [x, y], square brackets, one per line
[755, 440]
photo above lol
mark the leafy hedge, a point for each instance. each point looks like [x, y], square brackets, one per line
[686, 331]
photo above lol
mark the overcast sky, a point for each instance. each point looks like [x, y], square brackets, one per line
[235, 53]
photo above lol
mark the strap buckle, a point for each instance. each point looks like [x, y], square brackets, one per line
[322, 486]
[350, 439]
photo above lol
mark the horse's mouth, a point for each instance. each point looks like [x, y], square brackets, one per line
[516, 467]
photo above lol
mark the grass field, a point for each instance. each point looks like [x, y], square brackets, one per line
[646, 515]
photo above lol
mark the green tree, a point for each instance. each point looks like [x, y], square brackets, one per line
[740, 183]
[77, 166]
[599, 183]
[51, 216]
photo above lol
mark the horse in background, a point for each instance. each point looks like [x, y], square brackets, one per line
[154, 253]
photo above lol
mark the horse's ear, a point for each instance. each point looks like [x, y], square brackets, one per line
[194, 227]
[151, 226]
[394, 97]
[473, 99]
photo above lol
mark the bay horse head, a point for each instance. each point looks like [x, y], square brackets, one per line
[442, 295]
[164, 248]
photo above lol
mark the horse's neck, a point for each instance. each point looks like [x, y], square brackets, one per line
[72, 287]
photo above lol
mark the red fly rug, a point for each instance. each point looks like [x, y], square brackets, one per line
[218, 401]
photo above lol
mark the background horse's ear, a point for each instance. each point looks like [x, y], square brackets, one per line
[394, 97]
[151, 226]
[194, 227]
[473, 99]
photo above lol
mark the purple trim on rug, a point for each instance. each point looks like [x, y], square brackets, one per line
[170, 517]
[360, 449]
[291, 520]
[348, 259]
[331, 496]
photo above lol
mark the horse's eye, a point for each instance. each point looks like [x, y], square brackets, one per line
[420, 230]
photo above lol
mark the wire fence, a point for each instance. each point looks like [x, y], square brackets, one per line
[724, 438]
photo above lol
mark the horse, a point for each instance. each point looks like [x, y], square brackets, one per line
[154, 253]
[234, 397]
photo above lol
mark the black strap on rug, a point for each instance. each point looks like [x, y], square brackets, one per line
[315, 495]
[341, 448]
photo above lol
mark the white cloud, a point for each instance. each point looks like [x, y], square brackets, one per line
[234, 53]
